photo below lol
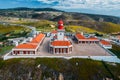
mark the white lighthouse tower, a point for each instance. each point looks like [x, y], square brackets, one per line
[61, 30]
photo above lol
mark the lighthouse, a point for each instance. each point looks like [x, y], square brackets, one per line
[60, 44]
[61, 30]
[60, 25]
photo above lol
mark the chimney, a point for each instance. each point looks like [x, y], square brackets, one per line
[60, 77]
[34, 36]
[30, 39]
[82, 33]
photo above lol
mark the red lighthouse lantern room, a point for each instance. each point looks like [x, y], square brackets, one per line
[60, 24]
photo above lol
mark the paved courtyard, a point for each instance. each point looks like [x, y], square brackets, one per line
[78, 50]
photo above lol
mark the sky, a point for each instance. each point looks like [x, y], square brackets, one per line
[105, 7]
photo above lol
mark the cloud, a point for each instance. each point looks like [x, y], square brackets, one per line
[85, 4]
[111, 7]
[77, 4]
[107, 7]
[48, 1]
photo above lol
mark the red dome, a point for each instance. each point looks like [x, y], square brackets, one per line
[60, 22]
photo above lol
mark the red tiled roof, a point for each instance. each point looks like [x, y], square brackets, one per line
[105, 42]
[61, 43]
[26, 46]
[38, 38]
[32, 44]
[79, 36]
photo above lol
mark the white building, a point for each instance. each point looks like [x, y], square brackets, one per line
[106, 44]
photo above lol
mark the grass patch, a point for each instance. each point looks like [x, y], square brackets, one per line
[85, 69]
[104, 27]
[7, 28]
[42, 25]
[5, 49]
[116, 50]
[8, 31]
[80, 29]
[109, 27]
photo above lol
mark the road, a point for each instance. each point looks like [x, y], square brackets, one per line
[113, 42]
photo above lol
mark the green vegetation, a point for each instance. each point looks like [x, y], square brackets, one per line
[104, 27]
[75, 26]
[8, 28]
[8, 31]
[5, 49]
[73, 69]
[80, 29]
[110, 27]
[116, 50]
[42, 25]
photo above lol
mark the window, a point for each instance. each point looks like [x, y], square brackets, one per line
[57, 50]
[64, 50]
[15, 52]
[26, 52]
[21, 52]
[31, 52]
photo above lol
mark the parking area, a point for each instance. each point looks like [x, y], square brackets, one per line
[78, 50]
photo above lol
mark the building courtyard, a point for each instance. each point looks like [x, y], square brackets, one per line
[78, 50]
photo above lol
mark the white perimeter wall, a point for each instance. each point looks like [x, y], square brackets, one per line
[100, 58]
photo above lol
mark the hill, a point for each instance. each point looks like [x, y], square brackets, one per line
[105, 27]
[73, 26]
[31, 9]
[50, 69]
[37, 13]
[100, 23]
